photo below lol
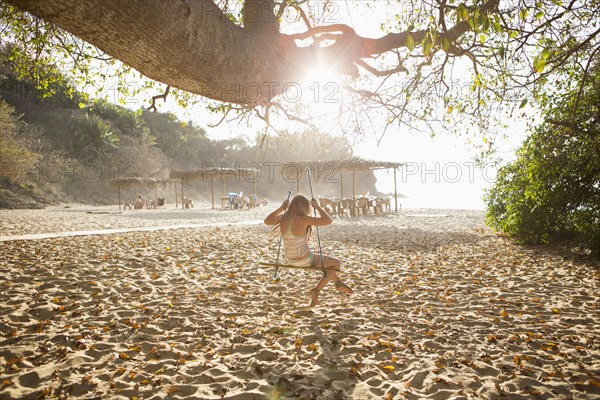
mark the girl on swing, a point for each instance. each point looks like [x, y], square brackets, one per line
[295, 224]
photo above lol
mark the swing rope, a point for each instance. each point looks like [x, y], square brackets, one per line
[279, 247]
[315, 213]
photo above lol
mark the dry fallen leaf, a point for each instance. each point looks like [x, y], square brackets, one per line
[172, 389]
[517, 360]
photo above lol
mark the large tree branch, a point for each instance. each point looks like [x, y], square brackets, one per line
[199, 50]
[350, 47]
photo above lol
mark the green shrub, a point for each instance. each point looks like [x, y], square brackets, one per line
[15, 159]
[551, 191]
[91, 136]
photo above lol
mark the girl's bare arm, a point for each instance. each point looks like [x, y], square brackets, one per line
[323, 219]
[273, 218]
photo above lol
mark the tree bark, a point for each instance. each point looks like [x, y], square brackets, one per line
[192, 45]
[187, 44]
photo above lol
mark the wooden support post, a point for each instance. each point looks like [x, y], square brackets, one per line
[341, 185]
[156, 193]
[212, 190]
[176, 201]
[354, 210]
[395, 192]
[353, 184]
[182, 203]
[119, 196]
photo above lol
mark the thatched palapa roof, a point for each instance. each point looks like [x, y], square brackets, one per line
[359, 164]
[136, 181]
[204, 173]
[348, 164]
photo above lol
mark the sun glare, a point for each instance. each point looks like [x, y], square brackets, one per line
[321, 90]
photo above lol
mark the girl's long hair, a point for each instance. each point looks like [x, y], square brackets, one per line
[299, 206]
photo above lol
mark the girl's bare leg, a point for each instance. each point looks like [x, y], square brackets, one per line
[328, 262]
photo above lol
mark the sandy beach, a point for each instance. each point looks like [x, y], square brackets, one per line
[443, 309]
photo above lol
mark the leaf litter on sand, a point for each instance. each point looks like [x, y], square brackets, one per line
[421, 319]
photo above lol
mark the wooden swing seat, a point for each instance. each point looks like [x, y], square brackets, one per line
[294, 266]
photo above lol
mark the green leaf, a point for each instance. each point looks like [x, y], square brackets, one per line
[410, 42]
[486, 23]
[464, 13]
[539, 15]
[481, 21]
[81, 105]
[427, 45]
[482, 38]
[445, 44]
[472, 24]
[523, 103]
[545, 54]
[539, 64]
[523, 13]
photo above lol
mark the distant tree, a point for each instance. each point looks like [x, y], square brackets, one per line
[91, 137]
[552, 190]
[183, 143]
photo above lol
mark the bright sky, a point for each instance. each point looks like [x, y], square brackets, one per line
[439, 172]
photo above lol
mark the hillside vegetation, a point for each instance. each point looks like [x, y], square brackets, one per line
[58, 147]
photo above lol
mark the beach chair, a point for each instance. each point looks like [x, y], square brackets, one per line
[387, 203]
[328, 205]
[253, 201]
[377, 205]
[245, 202]
[139, 203]
[230, 199]
[238, 202]
[362, 204]
[346, 207]
[187, 203]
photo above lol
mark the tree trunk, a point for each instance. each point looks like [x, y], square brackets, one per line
[187, 44]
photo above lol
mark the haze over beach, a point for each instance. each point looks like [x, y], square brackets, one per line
[312, 200]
